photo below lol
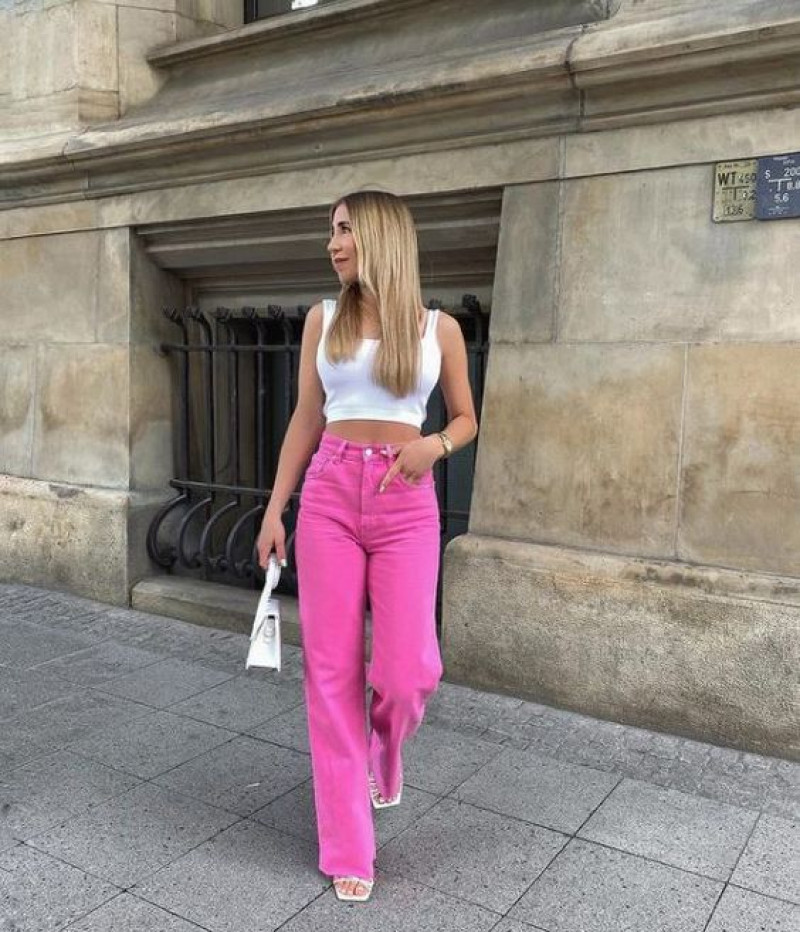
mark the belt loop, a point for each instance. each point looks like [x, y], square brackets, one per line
[337, 456]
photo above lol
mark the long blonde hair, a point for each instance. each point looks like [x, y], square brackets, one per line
[388, 266]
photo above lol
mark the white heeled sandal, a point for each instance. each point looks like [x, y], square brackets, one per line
[378, 802]
[353, 897]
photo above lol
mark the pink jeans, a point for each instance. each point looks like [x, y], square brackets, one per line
[353, 542]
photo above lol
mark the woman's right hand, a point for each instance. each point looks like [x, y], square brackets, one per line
[271, 539]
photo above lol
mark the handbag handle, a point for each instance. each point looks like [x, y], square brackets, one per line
[273, 573]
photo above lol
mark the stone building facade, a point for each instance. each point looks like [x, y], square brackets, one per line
[634, 540]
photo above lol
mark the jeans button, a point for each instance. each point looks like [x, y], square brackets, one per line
[368, 451]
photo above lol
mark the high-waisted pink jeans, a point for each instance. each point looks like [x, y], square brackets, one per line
[353, 542]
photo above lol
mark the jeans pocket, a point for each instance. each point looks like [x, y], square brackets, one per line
[425, 481]
[319, 463]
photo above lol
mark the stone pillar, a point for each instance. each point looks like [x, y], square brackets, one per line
[635, 529]
[86, 410]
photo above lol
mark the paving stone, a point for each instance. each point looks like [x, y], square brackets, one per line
[264, 876]
[396, 905]
[392, 822]
[293, 813]
[7, 840]
[239, 703]
[24, 645]
[513, 925]
[289, 729]
[39, 893]
[23, 690]
[152, 744]
[437, 760]
[100, 663]
[18, 749]
[695, 834]
[227, 651]
[170, 637]
[475, 855]
[49, 790]
[771, 861]
[592, 889]
[528, 786]
[242, 775]
[64, 721]
[451, 704]
[744, 911]
[164, 683]
[134, 834]
[127, 913]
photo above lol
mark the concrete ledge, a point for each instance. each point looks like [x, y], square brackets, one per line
[696, 651]
[212, 605]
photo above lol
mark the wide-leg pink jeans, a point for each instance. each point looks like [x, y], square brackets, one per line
[353, 542]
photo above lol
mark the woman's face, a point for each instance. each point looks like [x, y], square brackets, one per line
[342, 246]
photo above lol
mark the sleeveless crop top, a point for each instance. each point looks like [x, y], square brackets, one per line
[351, 393]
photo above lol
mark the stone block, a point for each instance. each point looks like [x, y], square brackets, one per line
[112, 301]
[740, 502]
[523, 298]
[585, 632]
[64, 537]
[42, 49]
[141, 30]
[684, 142]
[152, 289]
[228, 13]
[82, 430]
[96, 44]
[151, 433]
[17, 388]
[579, 446]
[414, 175]
[49, 288]
[643, 261]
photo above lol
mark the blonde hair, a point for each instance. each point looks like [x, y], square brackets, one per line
[388, 266]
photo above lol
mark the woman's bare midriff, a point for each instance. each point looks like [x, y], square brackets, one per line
[373, 431]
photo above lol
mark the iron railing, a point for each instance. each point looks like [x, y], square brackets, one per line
[236, 387]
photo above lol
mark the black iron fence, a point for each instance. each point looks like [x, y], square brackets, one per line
[236, 387]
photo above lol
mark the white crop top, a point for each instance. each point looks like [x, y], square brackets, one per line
[351, 393]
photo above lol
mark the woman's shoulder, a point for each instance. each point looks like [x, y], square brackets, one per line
[447, 327]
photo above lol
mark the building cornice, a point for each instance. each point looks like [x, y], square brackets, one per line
[569, 80]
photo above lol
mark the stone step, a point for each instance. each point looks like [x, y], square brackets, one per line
[210, 604]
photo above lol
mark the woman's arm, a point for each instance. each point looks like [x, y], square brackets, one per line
[302, 436]
[417, 457]
[462, 427]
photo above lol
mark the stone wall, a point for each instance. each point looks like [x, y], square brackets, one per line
[642, 401]
[86, 412]
[633, 546]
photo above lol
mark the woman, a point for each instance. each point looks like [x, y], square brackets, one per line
[368, 524]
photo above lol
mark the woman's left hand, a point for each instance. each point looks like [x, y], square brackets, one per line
[414, 459]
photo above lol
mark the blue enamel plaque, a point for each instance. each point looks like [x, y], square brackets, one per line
[778, 187]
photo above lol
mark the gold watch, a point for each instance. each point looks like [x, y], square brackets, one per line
[447, 443]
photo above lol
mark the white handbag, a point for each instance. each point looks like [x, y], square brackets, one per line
[265, 639]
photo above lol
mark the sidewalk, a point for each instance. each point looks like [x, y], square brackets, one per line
[149, 784]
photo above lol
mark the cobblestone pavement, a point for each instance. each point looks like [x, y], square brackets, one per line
[147, 782]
